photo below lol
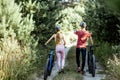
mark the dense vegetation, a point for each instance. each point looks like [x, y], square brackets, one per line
[103, 22]
[17, 46]
[25, 25]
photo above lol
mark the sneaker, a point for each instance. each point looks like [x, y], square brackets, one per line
[78, 69]
[59, 71]
[82, 72]
[62, 70]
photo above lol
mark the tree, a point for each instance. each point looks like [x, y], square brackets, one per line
[102, 22]
[17, 46]
[114, 5]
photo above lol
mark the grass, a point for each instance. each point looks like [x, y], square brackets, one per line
[70, 68]
[114, 68]
[16, 61]
[101, 72]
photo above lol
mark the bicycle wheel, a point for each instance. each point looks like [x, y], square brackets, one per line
[51, 63]
[93, 65]
[88, 61]
[46, 70]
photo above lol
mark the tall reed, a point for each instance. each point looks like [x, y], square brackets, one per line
[15, 60]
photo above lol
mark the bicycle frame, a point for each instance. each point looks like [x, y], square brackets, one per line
[49, 65]
[91, 60]
[51, 58]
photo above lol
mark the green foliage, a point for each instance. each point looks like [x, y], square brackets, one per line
[102, 22]
[47, 14]
[29, 22]
[72, 17]
[113, 64]
[17, 46]
[103, 53]
[110, 59]
[114, 68]
[45, 19]
[11, 22]
[114, 5]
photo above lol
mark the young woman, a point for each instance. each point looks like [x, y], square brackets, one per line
[83, 35]
[60, 49]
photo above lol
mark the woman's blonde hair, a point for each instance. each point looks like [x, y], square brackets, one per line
[58, 37]
[58, 27]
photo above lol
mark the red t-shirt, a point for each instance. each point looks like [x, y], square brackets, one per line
[83, 35]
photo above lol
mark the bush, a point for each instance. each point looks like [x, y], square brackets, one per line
[109, 57]
[17, 46]
[16, 61]
[102, 21]
[114, 68]
[103, 53]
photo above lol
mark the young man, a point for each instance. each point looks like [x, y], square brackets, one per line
[83, 35]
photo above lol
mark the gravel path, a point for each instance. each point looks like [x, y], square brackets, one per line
[98, 75]
[86, 76]
[55, 70]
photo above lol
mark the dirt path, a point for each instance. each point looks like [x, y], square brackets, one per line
[87, 76]
[55, 69]
[98, 75]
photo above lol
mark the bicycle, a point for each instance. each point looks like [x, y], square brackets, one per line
[91, 60]
[49, 64]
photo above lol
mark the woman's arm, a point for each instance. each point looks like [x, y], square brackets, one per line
[50, 39]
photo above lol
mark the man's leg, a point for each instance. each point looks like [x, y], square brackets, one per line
[77, 59]
[83, 51]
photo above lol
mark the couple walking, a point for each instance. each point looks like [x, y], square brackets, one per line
[83, 35]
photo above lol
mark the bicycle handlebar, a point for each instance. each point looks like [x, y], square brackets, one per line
[91, 47]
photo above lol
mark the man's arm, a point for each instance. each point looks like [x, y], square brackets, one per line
[91, 40]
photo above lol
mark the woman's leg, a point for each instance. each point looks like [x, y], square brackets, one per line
[58, 60]
[63, 59]
[58, 57]
[60, 51]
